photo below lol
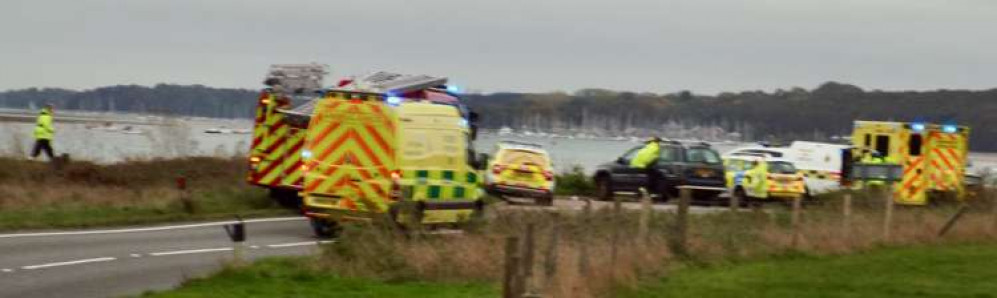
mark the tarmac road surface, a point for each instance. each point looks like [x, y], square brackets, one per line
[114, 263]
[129, 261]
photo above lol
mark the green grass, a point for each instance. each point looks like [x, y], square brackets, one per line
[293, 277]
[34, 195]
[219, 203]
[931, 271]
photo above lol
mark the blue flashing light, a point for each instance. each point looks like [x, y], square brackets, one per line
[917, 127]
[950, 128]
[393, 100]
[463, 123]
[306, 154]
[453, 89]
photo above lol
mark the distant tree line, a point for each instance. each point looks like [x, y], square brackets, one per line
[186, 100]
[781, 115]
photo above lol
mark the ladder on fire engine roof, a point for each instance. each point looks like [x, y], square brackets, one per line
[296, 79]
[381, 82]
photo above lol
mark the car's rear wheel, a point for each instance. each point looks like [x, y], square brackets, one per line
[325, 228]
[603, 189]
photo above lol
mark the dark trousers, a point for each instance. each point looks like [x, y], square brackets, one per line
[42, 145]
[652, 180]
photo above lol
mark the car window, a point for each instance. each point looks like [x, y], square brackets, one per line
[766, 152]
[667, 154]
[516, 156]
[735, 165]
[627, 157]
[702, 155]
[781, 167]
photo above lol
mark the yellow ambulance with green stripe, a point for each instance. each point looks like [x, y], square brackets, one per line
[933, 156]
[391, 147]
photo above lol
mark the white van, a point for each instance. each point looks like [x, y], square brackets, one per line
[820, 163]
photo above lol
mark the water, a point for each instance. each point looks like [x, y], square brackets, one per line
[186, 137]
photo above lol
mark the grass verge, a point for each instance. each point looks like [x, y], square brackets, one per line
[925, 271]
[296, 277]
[33, 195]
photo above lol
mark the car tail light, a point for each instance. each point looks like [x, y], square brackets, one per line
[549, 175]
[497, 169]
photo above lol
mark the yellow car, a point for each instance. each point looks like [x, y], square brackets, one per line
[521, 170]
[756, 177]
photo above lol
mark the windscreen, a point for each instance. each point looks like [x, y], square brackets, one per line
[781, 167]
[702, 155]
[515, 156]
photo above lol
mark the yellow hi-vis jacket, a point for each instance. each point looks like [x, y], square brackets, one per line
[646, 156]
[44, 129]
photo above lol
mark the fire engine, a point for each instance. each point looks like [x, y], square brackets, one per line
[275, 154]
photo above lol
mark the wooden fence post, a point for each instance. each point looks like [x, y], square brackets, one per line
[615, 236]
[993, 221]
[735, 202]
[846, 213]
[645, 217]
[550, 264]
[797, 210]
[681, 222]
[511, 267]
[583, 248]
[888, 214]
[526, 278]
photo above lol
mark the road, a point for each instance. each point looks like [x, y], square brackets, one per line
[114, 263]
[123, 262]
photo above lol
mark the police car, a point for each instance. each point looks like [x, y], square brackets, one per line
[520, 169]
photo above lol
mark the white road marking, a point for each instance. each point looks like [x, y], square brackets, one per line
[299, 244]
[254, 246]
[67, 263]
[136, 255]
[189, 251]
[151, 229]
[5, 270]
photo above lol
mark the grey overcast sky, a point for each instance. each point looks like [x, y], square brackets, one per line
[706, 46]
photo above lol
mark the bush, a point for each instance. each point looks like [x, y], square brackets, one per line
[575, 182]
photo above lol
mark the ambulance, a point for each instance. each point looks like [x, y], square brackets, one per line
[275, 152]
[391, 146]
[933, 157]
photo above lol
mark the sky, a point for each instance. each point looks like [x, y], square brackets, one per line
[661, 46]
